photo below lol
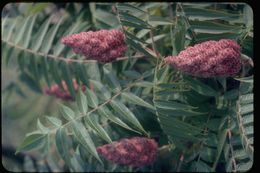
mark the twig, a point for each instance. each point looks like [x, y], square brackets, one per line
[43, 55]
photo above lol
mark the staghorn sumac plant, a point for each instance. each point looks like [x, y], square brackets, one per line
[138, 86]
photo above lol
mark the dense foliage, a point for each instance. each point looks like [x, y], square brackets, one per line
[200, 123]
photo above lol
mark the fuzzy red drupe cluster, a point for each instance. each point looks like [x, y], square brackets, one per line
[136, 151]
[208, 59]
[102, 45]
[57, 91]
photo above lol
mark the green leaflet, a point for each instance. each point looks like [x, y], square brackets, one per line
[207, 14]
[48, 41]
[62, 144]
[172, 105]
[54, 66]
[128, 7]
[92, 122]
[67, 113]
[213, 27]
[54, 121]
[83, 137]
[10, 32]
[128, 17]
[32, 141]
[45, 68]
[178, 37]
[103, 111]
[131, 98]
[20, 32]
[91, 98]
[133, 37]
[82, 103]
[41, 127]
[123, 110]
[102, 89]
[155, 38]
[67, 76]
[248, 79]
[222, 140]
[36, 44]
[28, 33]
[134, 25]
[132, 74]
[111, 78]
[139, 48]
[106, 17]
[201, 87]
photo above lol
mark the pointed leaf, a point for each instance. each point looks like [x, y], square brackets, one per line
[32, 142]
[126, 6]
[40, 35]
[67, 76]
[48, 40]
[128, 17]
[112, 79]
[123, 110]
[82, 102]
[106, 113]
[67, 113]
[102, 89]
[54, 121]
[22, 29]
[92, 98]
[97, 127]
[139, 47]
[201, 87]
[41, 127]
[28, 33]
[62, 145]
[131, 98]
[84, 138]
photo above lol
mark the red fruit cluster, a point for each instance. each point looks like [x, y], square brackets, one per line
[103, 45]
[58, 92]
[208, 59]
[136, 152]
